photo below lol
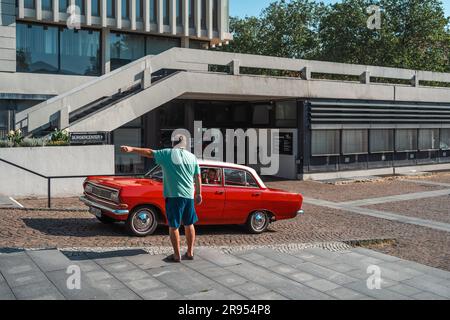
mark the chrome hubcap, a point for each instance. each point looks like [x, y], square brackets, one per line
[259, 221]
[143, 221]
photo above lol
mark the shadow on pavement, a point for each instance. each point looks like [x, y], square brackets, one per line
[85, 228]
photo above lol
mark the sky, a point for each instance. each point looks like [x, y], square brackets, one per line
[242, 8]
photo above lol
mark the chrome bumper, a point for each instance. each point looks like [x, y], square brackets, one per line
[300, 212]
[91, 203]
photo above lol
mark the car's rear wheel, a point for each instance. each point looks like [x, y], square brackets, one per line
[106, 220]
[258, 222]
[142, 221]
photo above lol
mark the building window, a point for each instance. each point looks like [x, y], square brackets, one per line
[191, 13]
[166, 12]
[325, 142]
[215, 13]
[63, 4]
[46, 5]
[46, 49]
[156, 45]
[110, 8]
[355, 141]
[125, 9]
[125, 48]
[406, 140]
[381, 141]
[203, 17]
[95, 8]
[80, 52]
[179, 10]
[286, 114]
[445, 139]
[29, 4]
[198, 44]
[428, 139]
[261, 115]
[153, 11]
[36, 48]
[139, 8]
[80, 5]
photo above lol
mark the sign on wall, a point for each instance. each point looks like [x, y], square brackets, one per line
[286, 143]
[88, 138]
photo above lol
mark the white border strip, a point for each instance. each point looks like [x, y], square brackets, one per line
[15, 201]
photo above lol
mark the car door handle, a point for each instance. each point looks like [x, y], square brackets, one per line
[256, 194]
[220, 193]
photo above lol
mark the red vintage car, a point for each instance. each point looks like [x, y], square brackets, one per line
[232, 194]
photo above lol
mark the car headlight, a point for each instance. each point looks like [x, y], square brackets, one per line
[88, 188]
[115, 196]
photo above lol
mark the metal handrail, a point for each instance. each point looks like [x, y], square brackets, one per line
[49, 178]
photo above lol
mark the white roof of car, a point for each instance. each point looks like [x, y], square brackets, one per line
[233, 166]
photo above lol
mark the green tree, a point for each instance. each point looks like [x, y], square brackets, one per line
[414, 33]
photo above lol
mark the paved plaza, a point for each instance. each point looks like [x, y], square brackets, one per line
[261, 274]
[397, 226]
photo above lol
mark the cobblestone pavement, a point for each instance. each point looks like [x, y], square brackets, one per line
[437, 208]
[50, 229]
[261, 274]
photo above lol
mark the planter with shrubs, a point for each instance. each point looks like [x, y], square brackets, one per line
[15, 139]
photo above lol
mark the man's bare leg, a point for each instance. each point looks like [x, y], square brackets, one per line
[190, 239]
[175, 239]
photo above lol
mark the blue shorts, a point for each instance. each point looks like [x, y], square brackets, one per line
[180, 210]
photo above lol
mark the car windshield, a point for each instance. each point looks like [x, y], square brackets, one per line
[155, 173]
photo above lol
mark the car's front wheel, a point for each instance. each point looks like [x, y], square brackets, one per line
[258, 222]
[142, 221]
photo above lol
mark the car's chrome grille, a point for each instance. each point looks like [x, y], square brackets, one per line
[100, 192]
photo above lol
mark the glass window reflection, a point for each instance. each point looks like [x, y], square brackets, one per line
[80, 52]
[156, 45]
[36, 48]
[125, 48]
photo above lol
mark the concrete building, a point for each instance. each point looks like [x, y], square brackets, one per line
[130, 71]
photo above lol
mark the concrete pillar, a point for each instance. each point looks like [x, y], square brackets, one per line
[235, 67]
[186, 17]
[209, 18]
[119, 13]
[64, 116]
[415, 80]
[198, 18]
[38, 10]
[106, 56]
[147, 75]
[365, 77]
[146, 15]
[88, 12]
[185, 42]
[133, 9]
[104, 14]
[305, 73]
[173, 17]
[21, 9]
[160, 16]
[55, 7]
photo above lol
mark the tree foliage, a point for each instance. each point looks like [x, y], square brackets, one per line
[414, 33]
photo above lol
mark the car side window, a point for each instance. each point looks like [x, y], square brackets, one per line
[211, 176]
[239, 178]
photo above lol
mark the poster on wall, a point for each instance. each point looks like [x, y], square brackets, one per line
[286, 143]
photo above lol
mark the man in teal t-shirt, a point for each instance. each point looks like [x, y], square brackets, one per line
[181, 172]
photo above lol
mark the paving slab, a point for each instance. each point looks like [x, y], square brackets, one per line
[218, 258]
[49, 260]
[322, 285]
[38, 291]
[425, 285]
[6, 292]
[381, 294]
[146, 261]
[160, 294]
[428, 296]
[342, 293]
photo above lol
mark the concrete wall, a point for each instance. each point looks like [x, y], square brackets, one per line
[52, 161]
[7, 35]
